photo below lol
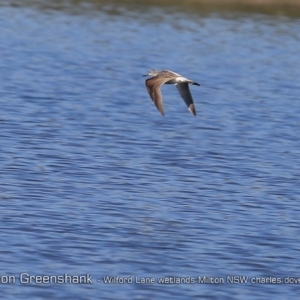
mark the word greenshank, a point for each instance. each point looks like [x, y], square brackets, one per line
[154, 84]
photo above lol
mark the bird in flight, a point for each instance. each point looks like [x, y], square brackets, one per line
[154, 84]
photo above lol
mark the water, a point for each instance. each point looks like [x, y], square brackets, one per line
[95, 181]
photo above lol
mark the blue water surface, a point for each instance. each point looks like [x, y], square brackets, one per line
[95, 182]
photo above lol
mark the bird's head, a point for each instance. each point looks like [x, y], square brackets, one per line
[152, 72]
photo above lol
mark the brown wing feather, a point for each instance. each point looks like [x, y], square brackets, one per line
[153, 86]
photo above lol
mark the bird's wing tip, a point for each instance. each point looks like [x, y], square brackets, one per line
[192, 110]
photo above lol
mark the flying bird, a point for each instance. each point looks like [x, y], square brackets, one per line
[154, 84]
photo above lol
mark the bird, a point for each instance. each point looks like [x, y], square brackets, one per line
[154, 84]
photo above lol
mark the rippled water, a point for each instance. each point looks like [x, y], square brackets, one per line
[95, 181]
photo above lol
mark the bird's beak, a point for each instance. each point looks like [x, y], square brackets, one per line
[145, 75]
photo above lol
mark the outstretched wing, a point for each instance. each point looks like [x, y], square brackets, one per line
[184, 91]
[153, 86]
